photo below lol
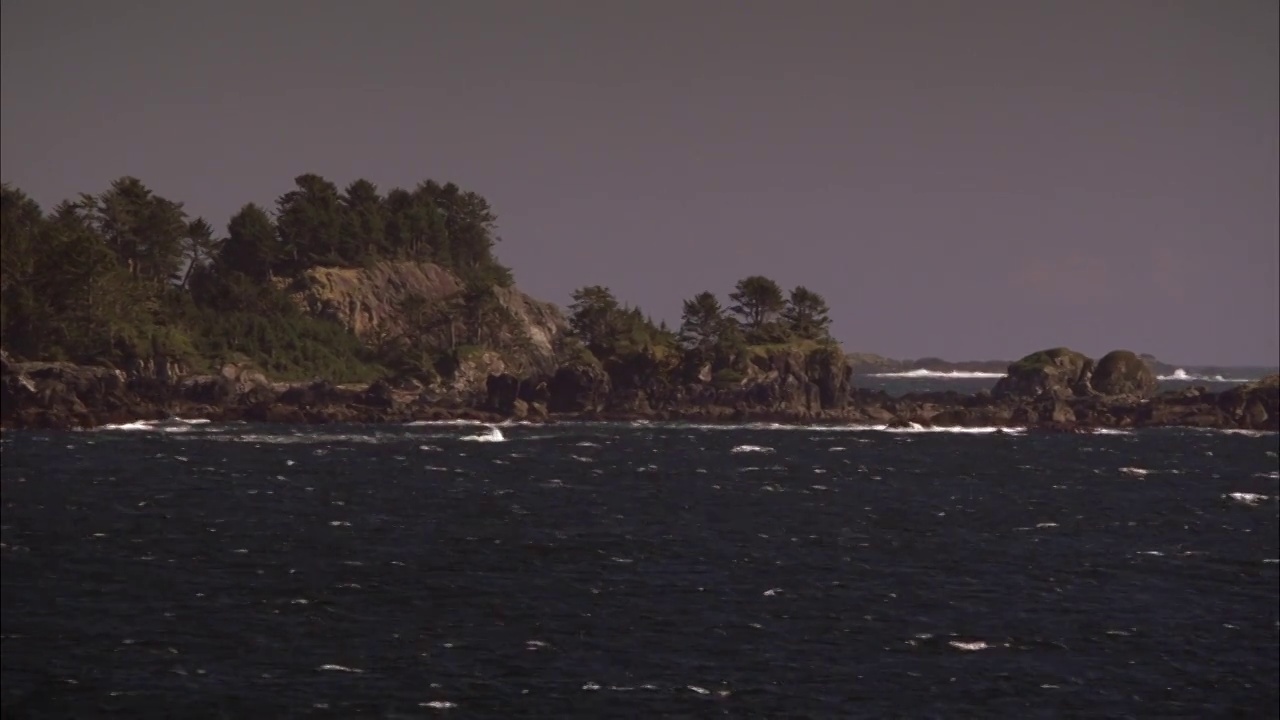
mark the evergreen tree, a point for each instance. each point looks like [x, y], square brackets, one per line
[252, 247]
[703, 321]
[309, 223]
[757, 301]
[364, 226]
[199, 247]
[806, 314]
[592, 317]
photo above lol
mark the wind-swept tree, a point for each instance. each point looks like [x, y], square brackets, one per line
[757, 301]
[806, 314]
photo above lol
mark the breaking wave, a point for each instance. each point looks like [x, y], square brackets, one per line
[1181, 375]
[941, 374]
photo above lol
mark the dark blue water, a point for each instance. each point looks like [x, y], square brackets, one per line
[618, 571]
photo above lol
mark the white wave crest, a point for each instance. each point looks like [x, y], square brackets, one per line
[1184, 376]
[494, 435]
[941, 374]
[171, 425]
[751, 449]
[1247, 498]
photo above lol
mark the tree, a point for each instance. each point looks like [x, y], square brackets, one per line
[145, 230]
[309, 222]
[702, 322]
[364, 222]
[21, 221]
[199, 247]
[806, 314]
[93, 305]
[22, 225]
[252, 247]
[592, 317]
[757, 300]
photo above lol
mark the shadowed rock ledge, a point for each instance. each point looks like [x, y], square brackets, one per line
[1052, 390]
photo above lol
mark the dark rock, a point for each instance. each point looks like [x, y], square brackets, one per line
[1121, 372]
[580, 387]
[1055, 373]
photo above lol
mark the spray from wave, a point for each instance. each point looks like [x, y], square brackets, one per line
[941, 374]
[1181, 375]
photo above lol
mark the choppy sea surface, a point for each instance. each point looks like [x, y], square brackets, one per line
[626, 570]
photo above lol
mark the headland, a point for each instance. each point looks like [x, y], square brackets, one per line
[356, 306]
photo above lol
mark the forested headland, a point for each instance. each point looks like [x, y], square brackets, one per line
[127, 274]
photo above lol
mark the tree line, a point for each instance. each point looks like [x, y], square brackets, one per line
[128, 274]
[760, 313]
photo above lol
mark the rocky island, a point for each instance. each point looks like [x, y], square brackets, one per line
[354, 306]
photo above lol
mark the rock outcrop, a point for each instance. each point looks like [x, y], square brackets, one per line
[786, 384]
[1063, 374]
[1121, 372]
[369, 301]
[1057, 373]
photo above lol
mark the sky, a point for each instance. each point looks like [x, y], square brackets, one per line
[967, 180]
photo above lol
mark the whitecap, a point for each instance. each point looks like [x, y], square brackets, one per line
[494, 435]
[1247, 498]
[941, 374]
[1181, 375]
[968, 645]
[751, 449]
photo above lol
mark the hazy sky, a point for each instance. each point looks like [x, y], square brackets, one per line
[966, 179]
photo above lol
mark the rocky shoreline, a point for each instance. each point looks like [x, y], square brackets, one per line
[1062, 392]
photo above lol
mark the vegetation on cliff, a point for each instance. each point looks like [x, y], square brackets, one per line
[712, 337]
[348, 285]
[127, 276]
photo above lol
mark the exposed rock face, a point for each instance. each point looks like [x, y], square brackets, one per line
[1056, 373]
[1121, 372]
[368, 301]
[796, 380]
[580, 387]
[65, 395]
[1254, 405]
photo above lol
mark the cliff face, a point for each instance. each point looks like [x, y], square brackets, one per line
[369, 301]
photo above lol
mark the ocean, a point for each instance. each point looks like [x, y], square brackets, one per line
[193, 570]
